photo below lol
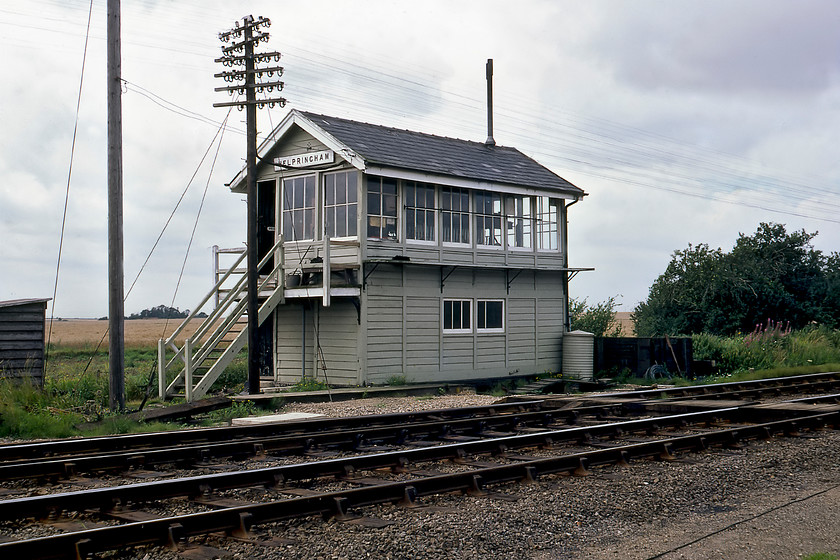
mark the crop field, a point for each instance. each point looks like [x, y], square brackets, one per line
[139, 333]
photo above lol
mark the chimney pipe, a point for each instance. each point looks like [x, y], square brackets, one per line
[490, 141]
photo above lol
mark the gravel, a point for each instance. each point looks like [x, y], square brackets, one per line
[771, 499]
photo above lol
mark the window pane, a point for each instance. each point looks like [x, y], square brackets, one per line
[389, 205]
[409, 223]
[494, 315]
[446, 199]
[482, 306]
[374, 204]
[465, 230]
[309, 223]
[351, 220]
[297, 193]
[341, 221]
[373, 226]
[352, 187]
[446, 227]
[410, 199]
[329, 221]
[329, 189]
[447, 314]
[389, 230]
[466, 315]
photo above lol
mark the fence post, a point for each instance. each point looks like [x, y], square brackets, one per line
[161, 369]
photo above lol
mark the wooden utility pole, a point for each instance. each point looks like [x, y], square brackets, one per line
[250, 36]
[116, 303]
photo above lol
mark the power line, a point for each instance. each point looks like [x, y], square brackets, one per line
[67, 190]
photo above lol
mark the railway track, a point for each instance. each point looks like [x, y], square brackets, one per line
[380, 465]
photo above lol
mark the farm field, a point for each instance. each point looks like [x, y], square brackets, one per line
[139, 333]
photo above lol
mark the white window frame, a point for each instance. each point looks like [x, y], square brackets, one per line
[426, 210]
[379, 214]
[478, 212]
[487, 330]
[461, 301]
[346, 204]
[547, 227]
[292, 209]
[515, 207]
[464, 214]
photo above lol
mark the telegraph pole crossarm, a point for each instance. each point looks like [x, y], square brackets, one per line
[240, 52]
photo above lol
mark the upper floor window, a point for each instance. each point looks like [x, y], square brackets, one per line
[419, 211]
[341, 204]
[519, 221]
[455, 215]
[548, 223]
[299, 208]
[488, 218]
[382, 208]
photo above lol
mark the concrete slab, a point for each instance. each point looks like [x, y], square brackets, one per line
[273, 418]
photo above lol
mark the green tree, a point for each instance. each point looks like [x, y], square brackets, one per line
[598, 319]
[771, 274]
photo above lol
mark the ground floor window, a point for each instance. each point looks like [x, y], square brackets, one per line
[456, 315]
[491, 315]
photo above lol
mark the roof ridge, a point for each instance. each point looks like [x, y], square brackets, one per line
[478, 143]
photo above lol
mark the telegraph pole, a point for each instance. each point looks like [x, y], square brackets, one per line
[238, 53]
[116, 304]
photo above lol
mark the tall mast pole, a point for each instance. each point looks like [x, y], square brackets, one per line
[116, 305]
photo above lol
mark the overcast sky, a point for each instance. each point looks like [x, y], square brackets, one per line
[684, 121]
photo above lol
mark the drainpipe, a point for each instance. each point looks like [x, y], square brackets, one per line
[567, 320]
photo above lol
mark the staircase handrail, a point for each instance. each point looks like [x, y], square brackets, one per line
[198, 307]
[203, 349]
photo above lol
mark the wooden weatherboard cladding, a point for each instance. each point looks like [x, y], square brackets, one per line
[22, 339]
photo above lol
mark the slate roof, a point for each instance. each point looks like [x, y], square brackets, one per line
[391, 147]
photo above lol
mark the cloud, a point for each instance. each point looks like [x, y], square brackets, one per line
[723, 47]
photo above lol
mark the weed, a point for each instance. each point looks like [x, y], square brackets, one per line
[308, 384]
[820, 556]
[236, 410]
[397, 380]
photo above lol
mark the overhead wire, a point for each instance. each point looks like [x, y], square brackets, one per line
[67, 189]
[150, 380]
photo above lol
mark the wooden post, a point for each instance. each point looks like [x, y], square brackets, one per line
[116, 304]
[251, 172]
[162, 369]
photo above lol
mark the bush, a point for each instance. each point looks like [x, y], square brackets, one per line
[598, 319]
[769, 348]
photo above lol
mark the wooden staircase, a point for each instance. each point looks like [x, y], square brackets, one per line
[188, 371]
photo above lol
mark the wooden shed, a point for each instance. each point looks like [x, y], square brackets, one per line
[22, 339]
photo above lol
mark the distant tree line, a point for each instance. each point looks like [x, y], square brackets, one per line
[164, 312]
[771, 274]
